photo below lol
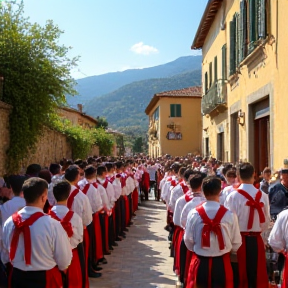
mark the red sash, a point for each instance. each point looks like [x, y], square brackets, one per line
[173, 183]
[86, 188]
[184, 187]
[212, 226]
[253, 204]
[71, 198]
[65, 222]
[53, 278]
[23, 227]
[105, 184]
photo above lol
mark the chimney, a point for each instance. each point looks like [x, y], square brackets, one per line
[80, 107]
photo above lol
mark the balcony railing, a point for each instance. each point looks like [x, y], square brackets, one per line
[216, 97]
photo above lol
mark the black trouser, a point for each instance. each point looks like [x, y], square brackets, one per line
[183, 254]
[82, 260]
[130, 205]
[111, 230]
[117, 218]
[123, 215]
[103, 229]
[92, 244]
[28, 279]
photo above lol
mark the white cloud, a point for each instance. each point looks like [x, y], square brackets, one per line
[141, 48]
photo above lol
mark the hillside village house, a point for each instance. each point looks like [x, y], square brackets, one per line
[175, 126]
[245, 81]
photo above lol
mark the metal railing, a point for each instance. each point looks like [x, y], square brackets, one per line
[215, 96]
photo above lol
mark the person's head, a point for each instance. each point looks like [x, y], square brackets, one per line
[231, 176]
[35, 192]
[90, 172]
[16, 182]
[267, 174]
[226, 168]
[46, 175]
[246, 172]
[211, 187]
[175, 167]
[187, 174]
[181, 172]
[61, 190]
[119, 166]
[33, 170]
[196, 179]
[110, 167]
[284, 176]
[72, 174]
[101, 171]
[54, 168]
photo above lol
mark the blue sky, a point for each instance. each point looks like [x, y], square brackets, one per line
[115, 35]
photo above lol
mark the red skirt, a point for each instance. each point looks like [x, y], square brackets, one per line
[135, 199]
[127, 210]
[204, 271]
[98, 236]
[253, 239]
[74, 275]
[53, 278]
[177, 239]
[189, 256]
[86, 252]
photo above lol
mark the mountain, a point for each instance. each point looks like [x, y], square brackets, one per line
[124, 107]
[95, 86]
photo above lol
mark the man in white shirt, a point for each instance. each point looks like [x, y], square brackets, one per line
[43, 249]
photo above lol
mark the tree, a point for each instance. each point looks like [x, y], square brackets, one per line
[36, 71]
[138, 145]
[102, 122]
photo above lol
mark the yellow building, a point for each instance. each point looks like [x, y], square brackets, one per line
[175, 126]
[245, 82]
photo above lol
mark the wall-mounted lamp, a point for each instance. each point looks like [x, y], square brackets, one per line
[241, 118]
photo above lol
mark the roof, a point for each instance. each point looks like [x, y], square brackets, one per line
[190, 92]
[206, 22]
[80, 113]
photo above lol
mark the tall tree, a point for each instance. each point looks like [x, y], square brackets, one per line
[36, 71]
[138, 145]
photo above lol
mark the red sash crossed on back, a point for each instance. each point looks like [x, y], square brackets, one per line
[253, 204]
[65, 222]
[71, 198]
[212, 226]
[105, 184]
[184, 187]
[23, 227]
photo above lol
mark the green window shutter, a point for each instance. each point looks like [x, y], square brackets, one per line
[224, 62]
[206, 83]
[178, 110]
[241, 30]
[172, 110]
[252, 23]
[215, 69]
[245, 32]
[262, 19]
[232, 48]
[210, 74]
[237, 39]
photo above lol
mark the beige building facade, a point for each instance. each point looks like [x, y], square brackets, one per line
[175, 125]
[245, 84]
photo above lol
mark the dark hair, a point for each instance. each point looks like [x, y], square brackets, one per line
[211, 186]
[90, 171]
[16, 182]
[33, 188]
[54, 168]
[267, 170]
[45, 174]
[246, 171]
[226, 168]
[33, 169]
[61, 190]
[187, 174]
[71, 173]
[175, 167]
[78, 161]
[119, 164]
[196, 179]
[231, 173]
[101, 169]
[109, 166]
[182, 171]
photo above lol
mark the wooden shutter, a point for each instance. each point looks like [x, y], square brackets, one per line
[206, 83]
[215, 69]
[210, 74]
[172, 110]
[232, 47]
[252, 23]
[245, 33]
[224, 62]
[237, 39]
[262, 19]
[178, 110]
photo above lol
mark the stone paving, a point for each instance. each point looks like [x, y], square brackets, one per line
[142, 259]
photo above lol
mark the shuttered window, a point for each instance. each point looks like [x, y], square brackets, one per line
[215, 69]
[232, 46]
[206, 83]
[210, 75]
[175, 110]
[253, 5]
[224, 62]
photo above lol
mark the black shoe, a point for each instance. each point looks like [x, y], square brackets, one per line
[118, 239]
[92, 274]
[111, 248]
[123, 235]
[133, 214]
[96, 268]
[126, 230]
[130, 223]
[103, 261]
[114, 244]
[107, 253]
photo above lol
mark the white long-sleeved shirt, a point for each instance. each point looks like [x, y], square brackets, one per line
[176, 193]
[278, 238]
[10, 207]
[92, 194]
[117, 187]
[229, 227]
[49, 242]
[76, 222]
[225, 192]
[109, 191]
[180, 203]
[236, 203]
[81, 206]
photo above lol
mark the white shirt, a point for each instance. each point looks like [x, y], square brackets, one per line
[117, 187]
[92, 194]
[229, 228]
[56, 178]
[176, 193]
[10, 207]
[225, 192]
[109, 192]
[180, 203]
[278, 238]
[49, 241]
[130, 184]
[152, 172]
[81, 206]
[189, 206]
[236, 203]
[76, 222]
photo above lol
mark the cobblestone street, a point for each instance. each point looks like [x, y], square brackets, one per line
[142, 259]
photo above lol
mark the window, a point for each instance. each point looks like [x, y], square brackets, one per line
[215, 69]
[210, 75]
[206, 83]
[156, 114]
[175, 110]
[224, 62]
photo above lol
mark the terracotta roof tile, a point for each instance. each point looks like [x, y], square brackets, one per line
[190, 92]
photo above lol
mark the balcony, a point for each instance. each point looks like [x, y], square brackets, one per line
[216, 98]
